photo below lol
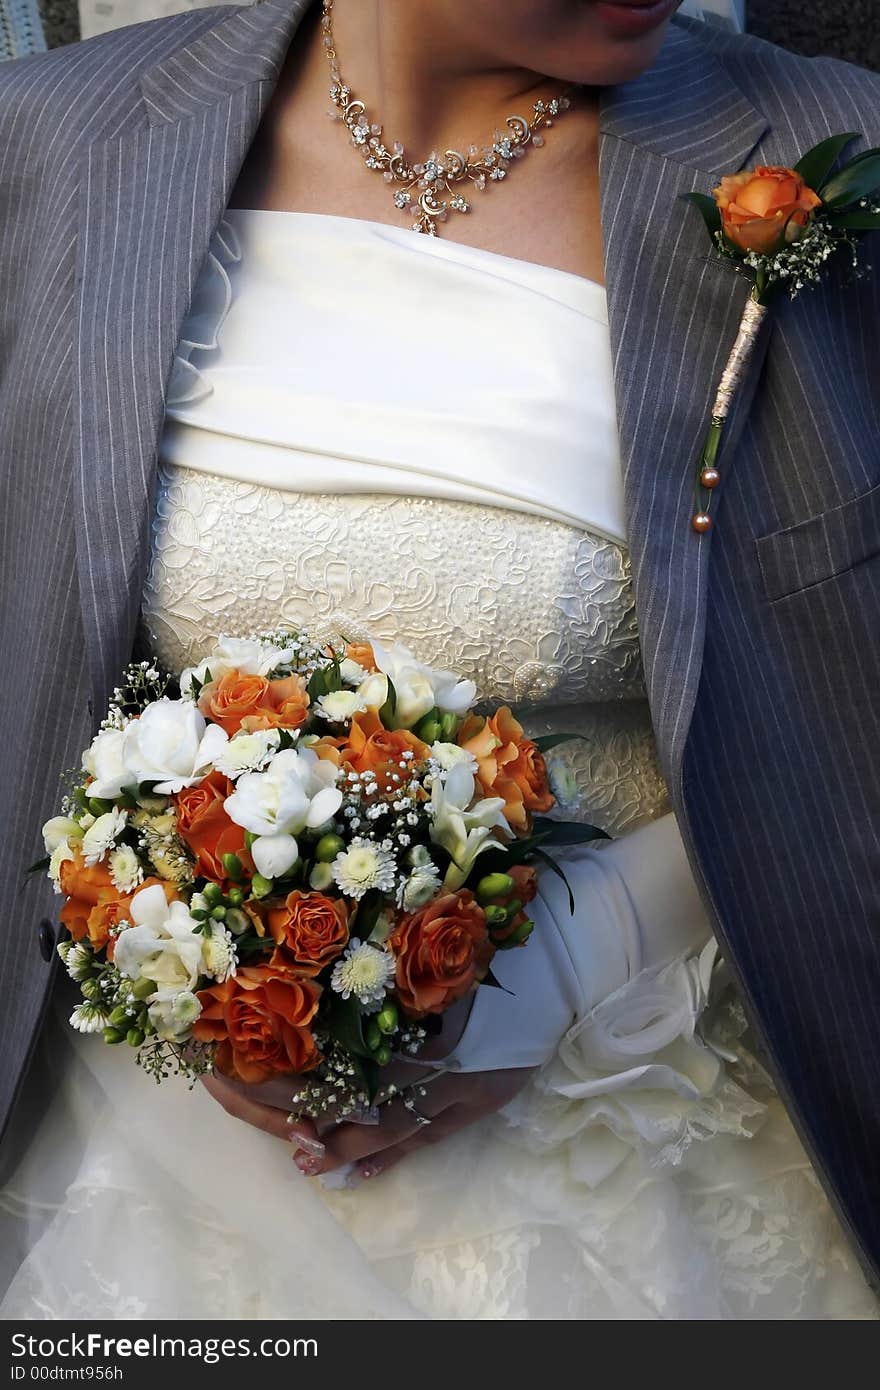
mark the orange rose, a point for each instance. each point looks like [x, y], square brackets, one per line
[362, 653]
[761, 209]
[370, 747]
[238, 701]
[442, 951]
[508, 765]
[93, 904]
[259, 1019]
[309, 931]
[202, 823]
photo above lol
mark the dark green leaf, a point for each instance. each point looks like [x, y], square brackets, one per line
[494, 983]
[317, 685]
[815, 166]
[857, 180]
[859, 220]
[552, 865]
[560, 832]
[708, 210]
[548, 741]
[41, 864]
[389, 709]
[344, 1022]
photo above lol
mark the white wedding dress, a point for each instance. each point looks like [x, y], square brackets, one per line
[378, 433]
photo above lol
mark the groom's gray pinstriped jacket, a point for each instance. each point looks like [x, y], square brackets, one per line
[761, 642]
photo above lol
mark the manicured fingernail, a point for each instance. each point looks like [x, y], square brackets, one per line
[370, 1169]
[310, 1145]
[307, 1164]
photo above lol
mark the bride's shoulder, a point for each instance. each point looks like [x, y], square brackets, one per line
[794, 91]
[80, 82]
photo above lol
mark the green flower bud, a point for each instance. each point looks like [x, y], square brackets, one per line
[321, 877]
[386, 1019]
[494, 886]
[249, 838]
[496, 916]
[512, 908]
[328, 847]
[143, 988]
[218, 913]
[383, 1055]
[237, 921]
[113, 1035]
[232, 866]
[199, 914]
[235, 897]
[98, 806]
[261, 887]
[120, 1016]
[521, 935]
[373, 1036]
[134, 1037]
[91, 990]
[449, 727]
[429, 727]
[212, 893]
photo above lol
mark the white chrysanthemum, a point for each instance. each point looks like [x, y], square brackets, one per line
[59, 854]
[219, 954]
[77, 959]
[364, 971]
[340, 705]
[126, 873]
[362, 867]
[352, 672]
[88, 1018]
[247, 753]
[449, 755]
[103, 834]
[422, 885]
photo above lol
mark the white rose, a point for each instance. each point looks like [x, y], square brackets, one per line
[339, 706]
[461, 825]
[244, 654]
[102, 834]
[247, 752]
[449, 755]
[58, 831]
[104, 760]
[162, 945]
[173, 1015]
[172, 745]
[296, 792]
[418, 688]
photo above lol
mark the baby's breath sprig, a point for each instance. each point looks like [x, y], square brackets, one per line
[161, 1059]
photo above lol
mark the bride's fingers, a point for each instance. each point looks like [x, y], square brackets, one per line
[454, 1118]
[266, 1117]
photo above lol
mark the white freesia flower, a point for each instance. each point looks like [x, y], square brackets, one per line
[363, 866]
[297, 792]
[244, 654]
[352, 672]
[58, 856]
[173, 1014]
[419, 688]
[104, 760]
[247, 753]
[373, 690]
[172, 745]
[162, 944]
[449, 755]
[461, 825]
[422, 885]
[103, 835]
[59, 831]
[364, 971]
[126, 873]
[339, 706]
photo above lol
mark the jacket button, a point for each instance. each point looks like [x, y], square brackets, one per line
[47, 938]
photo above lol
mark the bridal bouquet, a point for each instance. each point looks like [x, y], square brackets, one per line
[294, 859]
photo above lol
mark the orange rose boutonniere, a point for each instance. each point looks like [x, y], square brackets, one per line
[779, 226]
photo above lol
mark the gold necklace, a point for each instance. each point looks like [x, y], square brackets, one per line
[428, 191]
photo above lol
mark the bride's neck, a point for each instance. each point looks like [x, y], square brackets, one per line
[421, 74]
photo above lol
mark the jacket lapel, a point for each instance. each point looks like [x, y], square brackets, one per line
[151, 195]
[673, 314]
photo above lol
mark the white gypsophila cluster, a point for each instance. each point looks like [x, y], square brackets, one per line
[364, 971]
[365, 865]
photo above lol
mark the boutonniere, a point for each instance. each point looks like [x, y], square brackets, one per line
[779, 227]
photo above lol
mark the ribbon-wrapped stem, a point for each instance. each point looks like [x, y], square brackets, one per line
[708, 476]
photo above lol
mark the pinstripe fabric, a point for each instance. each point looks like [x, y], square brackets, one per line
[760, 641]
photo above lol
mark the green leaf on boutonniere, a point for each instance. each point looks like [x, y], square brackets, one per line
[815, 166]
[856, 220]
[547, 741]
[563, 832]
[857, 180]
[708, 210]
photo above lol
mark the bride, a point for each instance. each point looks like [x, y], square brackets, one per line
[417, 438]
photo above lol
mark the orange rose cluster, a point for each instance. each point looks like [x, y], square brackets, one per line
[295, 863]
